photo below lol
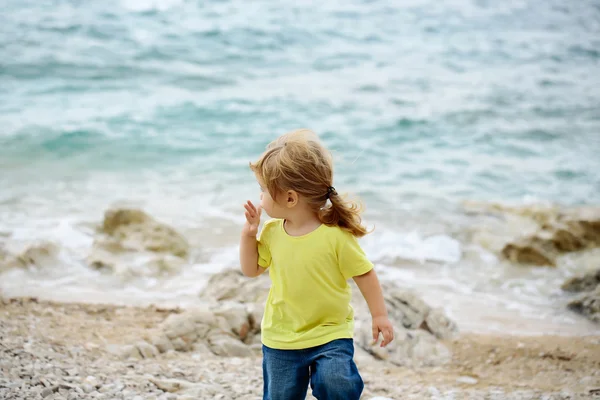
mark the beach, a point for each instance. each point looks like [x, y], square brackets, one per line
[468, 130]
[61, 347]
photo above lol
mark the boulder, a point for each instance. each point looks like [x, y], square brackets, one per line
[232, 285]
[563, 232]
[588, 304]
[131, 243]
[229, 325]
[135, 230]
[410, 347]
[438, 324]
[40, 254]
[404, 307]
[583, 283]
[225, 329]
[417, 329]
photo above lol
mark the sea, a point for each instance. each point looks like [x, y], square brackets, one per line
[427, 106]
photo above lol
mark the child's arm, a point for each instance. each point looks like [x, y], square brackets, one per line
[248, 243]
[371, 291]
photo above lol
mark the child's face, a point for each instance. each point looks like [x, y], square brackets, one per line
[270, 206]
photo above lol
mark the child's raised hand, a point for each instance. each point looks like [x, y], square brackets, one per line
[252, 219]
[383, 325]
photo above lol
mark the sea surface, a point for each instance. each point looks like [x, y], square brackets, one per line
[426, 105]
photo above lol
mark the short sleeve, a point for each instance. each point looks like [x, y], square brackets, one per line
[352, 259]
[264, 243]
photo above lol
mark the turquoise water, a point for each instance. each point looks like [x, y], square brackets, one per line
[445, 102]
[162, 104]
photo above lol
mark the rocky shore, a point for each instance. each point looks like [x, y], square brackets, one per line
[212, 350]
[76, 351]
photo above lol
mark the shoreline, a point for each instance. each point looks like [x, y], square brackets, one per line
[75, 339]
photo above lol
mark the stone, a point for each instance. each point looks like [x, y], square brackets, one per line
[571, 230]
[437, 323]
[129, 351]
[582, 283]
[469, 380]
[237, 318]
[180, 345]
[413, 348]
[146, 349]
[232, 285]
[87, 388]
[171, 385]
[588, 304]
[136, 229]
[177, 325]
[49, 391]
[531, 251]
[405, 307]
[223, 344]
[40, 254]
[131, 243]
[162, 343]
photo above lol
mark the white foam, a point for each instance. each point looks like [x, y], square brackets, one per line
[149, 5]
[389, 247]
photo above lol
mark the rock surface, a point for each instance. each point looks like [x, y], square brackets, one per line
[132, 243]
[559, 232]
[418, 326]
[40, 254]
[588, 304]
[65, 357]
[583, 283]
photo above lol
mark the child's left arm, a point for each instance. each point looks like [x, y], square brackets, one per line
[371, 290]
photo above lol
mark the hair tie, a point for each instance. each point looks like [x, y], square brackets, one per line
[331, 191]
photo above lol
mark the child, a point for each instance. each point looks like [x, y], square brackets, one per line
[311, 250]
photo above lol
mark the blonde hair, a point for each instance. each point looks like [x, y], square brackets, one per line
[298, 161]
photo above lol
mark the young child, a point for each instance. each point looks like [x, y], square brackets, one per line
[311, 250]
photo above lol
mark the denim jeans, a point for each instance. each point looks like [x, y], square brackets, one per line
[329, 368]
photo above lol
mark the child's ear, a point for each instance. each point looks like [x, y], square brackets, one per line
[292, 198]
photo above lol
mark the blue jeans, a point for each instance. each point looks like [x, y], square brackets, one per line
[330, 369]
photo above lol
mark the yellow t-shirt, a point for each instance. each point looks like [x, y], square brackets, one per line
[309, 300]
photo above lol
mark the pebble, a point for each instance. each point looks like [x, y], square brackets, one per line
[467, 379]
[88, 388]
[48, 391]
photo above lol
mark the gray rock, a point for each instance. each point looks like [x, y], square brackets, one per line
[178, 325]
[130, 351]
[162, 343]
[49, 391]
[232, 285]
[223, 344]
[87, 388]
[414, 348]
[583, 283]
[588, 304]
[171, 385]
[146, 349]
[405, 307]
[440, 325]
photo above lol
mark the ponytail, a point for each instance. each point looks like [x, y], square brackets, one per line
[342, 213]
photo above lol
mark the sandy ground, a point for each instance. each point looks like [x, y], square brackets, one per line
[60, 351]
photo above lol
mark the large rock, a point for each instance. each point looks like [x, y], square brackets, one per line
[588, 304]
[410, 347]
[135, 230]
[132, 243]
[40, 254]
[232, 285]
[563, 232]
[418, 329]
[229, 324]
[224, 329]
[583, 283]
